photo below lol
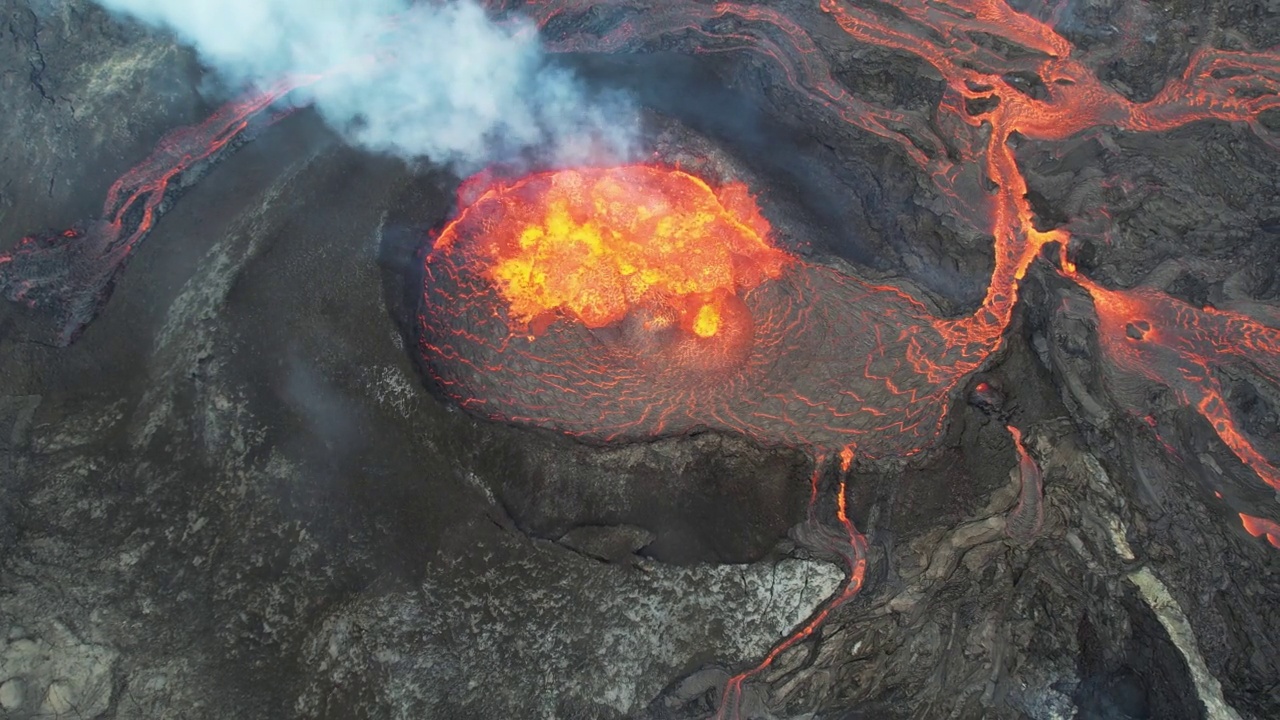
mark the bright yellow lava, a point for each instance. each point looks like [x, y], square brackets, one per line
[595, 242]
[707, 322]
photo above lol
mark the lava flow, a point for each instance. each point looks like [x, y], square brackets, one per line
[846, 542]
[1044, 91]
[70, 274]
[546, 304]
[1145, 332]
[1259, 527]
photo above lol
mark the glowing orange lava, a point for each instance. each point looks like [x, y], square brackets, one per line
[1259, 527]
[633, 302]
[1148, 333]
[71, 273]
[596, 243]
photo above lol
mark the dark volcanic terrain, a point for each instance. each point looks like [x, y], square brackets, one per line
[234, 496]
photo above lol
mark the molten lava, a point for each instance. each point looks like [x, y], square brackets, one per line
[595, 244]
[1260, 527]
[1147, 333]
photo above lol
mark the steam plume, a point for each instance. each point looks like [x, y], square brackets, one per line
[448, 83]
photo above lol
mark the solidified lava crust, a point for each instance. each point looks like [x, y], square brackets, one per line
[804, 355]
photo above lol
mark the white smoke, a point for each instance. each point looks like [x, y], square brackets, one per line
[439, 80]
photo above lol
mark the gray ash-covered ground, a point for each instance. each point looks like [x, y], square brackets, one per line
[233, 496]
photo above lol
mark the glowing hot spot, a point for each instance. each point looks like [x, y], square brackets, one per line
[707, 322]
[595, 243]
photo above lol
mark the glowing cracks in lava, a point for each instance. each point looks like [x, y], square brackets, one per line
[1027, 517]
[1223, 85]
[761, 343]
[1145, 332]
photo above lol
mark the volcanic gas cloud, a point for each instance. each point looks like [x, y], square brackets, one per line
[637, 301]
